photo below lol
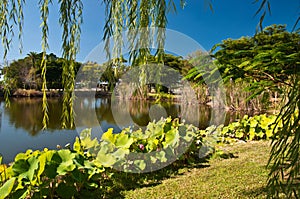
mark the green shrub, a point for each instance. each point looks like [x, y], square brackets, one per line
[248, 128]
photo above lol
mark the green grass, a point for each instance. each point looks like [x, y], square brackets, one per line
[243, 176]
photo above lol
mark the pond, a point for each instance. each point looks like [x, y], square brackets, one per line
[21, 123]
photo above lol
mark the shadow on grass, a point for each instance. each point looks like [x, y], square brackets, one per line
[255, 193]
[122, 181]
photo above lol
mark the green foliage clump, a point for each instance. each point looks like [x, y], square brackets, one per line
[86, 170]
[248, 128]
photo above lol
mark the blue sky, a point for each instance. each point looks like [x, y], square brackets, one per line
[230, 19]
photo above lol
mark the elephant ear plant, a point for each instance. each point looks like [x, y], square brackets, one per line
[86, 170]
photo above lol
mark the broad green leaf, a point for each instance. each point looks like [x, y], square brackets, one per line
[141, 164]
[253, 123]
[109, 136]
[120, 153]
[7, 187]
[67, 163]
[20, 166]
[3, 167]
[161, 156]
[107, 160]
[123, 140]
[269, 133]
[251, 133]
[171, 138]
[239, 134]
[66, 155]
[77, 145]
[33, 166]
[189, 135]
[43, 159]
[152, 144]
[21, 156]
[65, 167]
[66, 190]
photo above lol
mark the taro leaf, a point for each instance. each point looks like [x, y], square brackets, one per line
[189, 136]
[239, 134]
[260, 134]
[20, 166]
[88, 143]
[109, 136]
[154, 129]
[253, 123]
[153, 159]
[21, 156]
[50, 170]
[225, 130]
[3, 168]
[140, 164]
[265, 122]
[65, 167]
[269, 133]
[251, 133]
[66, 190]
[152, 144]
[139, 134]
[20, 193]
[120, 153]
[123, 141]
[171, 138]
[66, 155]
[51, 167]
[67, 163]
[43, 159]
[106, 147]
[34, 164]
[77, 146]
[161, 156]
[107, 160]
[7, 187]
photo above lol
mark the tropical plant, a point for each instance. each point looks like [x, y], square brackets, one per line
[84, 170]
[270, 60]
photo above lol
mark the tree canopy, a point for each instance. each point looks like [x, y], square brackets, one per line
[268, 59]
[26, 72]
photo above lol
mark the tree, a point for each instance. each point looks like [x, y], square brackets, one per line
[23, 73]
[270, 60]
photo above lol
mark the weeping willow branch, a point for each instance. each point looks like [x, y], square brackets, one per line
[70, 20]
[10, 15]
[44, 11]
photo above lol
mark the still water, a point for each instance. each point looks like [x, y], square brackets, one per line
[21, 123]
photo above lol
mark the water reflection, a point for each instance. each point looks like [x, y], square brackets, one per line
[21, 123]
[26, 113]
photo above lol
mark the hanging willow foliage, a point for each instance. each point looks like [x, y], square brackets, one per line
[145, 22]
[44, 11]
[71, 20]
[11, 14]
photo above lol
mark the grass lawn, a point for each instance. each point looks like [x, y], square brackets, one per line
[243, 176]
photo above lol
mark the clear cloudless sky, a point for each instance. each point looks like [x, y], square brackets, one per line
[229, 19]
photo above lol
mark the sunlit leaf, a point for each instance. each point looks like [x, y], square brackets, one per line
[6, 188]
